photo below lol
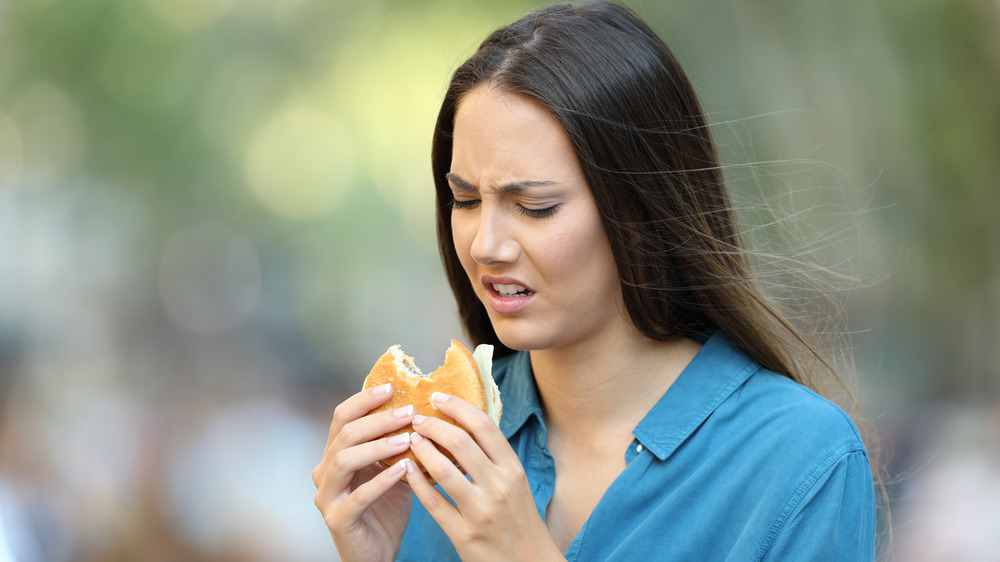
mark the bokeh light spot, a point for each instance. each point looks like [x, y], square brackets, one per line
[52, 133]
[300, 163]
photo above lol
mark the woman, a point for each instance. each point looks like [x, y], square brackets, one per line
[656, 404]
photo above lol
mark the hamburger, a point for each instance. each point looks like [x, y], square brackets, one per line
[466, 375]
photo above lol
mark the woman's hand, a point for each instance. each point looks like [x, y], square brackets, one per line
[494, 516]
[365, 508]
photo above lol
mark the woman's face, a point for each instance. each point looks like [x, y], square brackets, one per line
[526, 227]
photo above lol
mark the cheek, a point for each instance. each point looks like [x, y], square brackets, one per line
[582, 257]
[462, 236]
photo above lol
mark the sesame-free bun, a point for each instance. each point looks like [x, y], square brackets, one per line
[464, 374]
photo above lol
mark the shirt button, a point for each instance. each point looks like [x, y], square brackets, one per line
[639, 448]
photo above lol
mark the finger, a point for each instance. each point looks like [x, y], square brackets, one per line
[482, 429]
[373, 426]
[442, 510]
[451, 479]
[361, 431]
[357, 406]
[343, 464]
[368, 493]
[455, 441]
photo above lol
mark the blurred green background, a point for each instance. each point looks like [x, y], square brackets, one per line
[216, 214]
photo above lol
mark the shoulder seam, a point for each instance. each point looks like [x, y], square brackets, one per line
[801, 490]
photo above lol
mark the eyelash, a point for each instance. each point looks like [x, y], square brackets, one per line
[466, 204]
[533, 213]
[538, 213]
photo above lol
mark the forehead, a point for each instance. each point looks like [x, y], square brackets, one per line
[496, 129]
[492, 102]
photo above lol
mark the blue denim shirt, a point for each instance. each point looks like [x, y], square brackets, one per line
[733, 463]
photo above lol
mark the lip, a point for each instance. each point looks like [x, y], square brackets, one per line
[501, 304]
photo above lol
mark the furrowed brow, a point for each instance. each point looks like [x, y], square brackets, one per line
[457, 181]
[513, 187]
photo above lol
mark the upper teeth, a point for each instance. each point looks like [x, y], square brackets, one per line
[507, 289]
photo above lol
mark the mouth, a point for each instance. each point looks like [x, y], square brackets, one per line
[509, 290]
[506, 295]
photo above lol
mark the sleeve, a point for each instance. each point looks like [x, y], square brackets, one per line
[831, 515]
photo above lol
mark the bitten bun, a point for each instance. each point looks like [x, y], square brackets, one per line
[466, 375]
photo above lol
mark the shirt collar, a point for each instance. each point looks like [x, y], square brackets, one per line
[709, 379]
[520, 395]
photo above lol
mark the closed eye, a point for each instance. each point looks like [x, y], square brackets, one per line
[457, 204]
[538, 213]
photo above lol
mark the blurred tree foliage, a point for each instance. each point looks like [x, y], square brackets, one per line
[306, 124]
[204, 200]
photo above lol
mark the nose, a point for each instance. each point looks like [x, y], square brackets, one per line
[494, 242]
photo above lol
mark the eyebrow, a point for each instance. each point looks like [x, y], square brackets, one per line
[513, 187]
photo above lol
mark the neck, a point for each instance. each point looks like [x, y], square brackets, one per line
[605, 388]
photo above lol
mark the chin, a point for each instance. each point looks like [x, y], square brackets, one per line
[516, 335]
[522, 337]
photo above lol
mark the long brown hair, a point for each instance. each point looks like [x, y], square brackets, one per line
[645, 147]
[646, 150]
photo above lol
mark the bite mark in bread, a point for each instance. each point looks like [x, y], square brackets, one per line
[463, 374]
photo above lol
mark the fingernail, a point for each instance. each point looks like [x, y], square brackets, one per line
[400, 439]
[398, 468]
[439, 397]
[409, 466]
[419, 419]
[405, 411]
[416, 438]
[384, 389]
